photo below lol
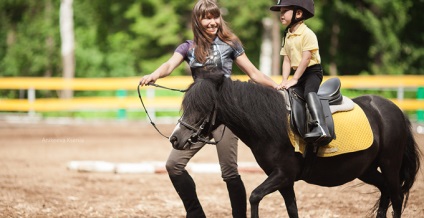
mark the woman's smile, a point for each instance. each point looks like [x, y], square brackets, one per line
[212, 29]
[211, 24]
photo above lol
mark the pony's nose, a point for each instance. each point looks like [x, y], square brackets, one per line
[174, 141]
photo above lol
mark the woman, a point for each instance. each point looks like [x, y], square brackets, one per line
[213, 46]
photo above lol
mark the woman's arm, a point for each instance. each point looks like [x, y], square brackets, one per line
[164, 70]
[257, 76]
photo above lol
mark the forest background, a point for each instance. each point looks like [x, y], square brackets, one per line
[133, 37]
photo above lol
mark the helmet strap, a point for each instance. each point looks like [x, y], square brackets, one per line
[294, 20]
[292, 23]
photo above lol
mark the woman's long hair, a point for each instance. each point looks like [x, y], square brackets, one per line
[203, 41]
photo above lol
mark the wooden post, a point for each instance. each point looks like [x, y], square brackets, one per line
[68, 43]
[122, 112]
[31, 101]
[276, 45]
[266, 47]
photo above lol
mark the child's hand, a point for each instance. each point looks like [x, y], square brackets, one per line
[281, 85]
[290, 83]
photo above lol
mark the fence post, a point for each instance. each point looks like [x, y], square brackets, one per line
[420, 112]
[31, 100]
[150, 94]
[122, 112]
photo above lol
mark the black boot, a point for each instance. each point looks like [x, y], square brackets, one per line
[237, 194]
[319, 133]
[186, 189]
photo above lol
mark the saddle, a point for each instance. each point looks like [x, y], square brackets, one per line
[328, 93]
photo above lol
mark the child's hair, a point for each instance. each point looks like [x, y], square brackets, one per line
[202, 41]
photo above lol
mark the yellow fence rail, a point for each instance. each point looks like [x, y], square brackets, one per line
[130, 83]
[399, 83]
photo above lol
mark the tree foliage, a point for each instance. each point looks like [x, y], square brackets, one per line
[133, 37]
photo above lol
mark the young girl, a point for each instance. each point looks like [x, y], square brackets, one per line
[301, 55]
[213, 46]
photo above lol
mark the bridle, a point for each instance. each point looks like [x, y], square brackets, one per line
[197, 136]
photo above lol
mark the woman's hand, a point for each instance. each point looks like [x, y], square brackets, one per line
[145, 80]
[164, 70]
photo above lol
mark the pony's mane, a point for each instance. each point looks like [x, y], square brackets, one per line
[200, 97]
[255, 106]
[247, 104]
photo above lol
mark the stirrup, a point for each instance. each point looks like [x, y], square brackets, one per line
[320, 137]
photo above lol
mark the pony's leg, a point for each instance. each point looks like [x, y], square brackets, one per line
[275, 181]
[290, 201]
[375, 178]
[392, 179]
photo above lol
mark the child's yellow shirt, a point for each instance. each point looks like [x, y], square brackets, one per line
[303, 39]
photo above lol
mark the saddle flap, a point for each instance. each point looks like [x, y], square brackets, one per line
[298, 112]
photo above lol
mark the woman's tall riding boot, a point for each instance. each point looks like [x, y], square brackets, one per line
[186, 189]
[237, 193]
[319, 133]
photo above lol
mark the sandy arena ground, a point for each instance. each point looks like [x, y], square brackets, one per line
[35, 181]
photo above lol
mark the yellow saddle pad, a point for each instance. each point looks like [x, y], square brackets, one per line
[353, 133]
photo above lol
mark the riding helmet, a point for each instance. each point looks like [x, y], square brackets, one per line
[307, 6]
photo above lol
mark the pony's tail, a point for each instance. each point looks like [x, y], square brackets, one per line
[410, 164]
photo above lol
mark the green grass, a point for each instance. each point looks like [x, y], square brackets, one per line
[352, 93]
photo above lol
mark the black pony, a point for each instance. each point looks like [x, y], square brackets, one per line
[258, 116]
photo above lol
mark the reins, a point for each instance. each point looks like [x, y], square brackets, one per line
[145, 110]
[163, 87]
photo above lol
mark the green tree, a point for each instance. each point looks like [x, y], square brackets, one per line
[102, 39]
[133, 37]
[28, 38]
[380, 25]
[157, 27]
[412, 40]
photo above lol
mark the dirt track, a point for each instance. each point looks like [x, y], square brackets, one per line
[34, 180]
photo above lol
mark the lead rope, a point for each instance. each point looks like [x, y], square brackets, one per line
[145, 110]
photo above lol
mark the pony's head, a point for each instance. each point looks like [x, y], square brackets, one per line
[199, 110]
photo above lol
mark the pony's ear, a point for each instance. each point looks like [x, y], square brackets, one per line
[217, 77]
[210, 73]
[220, 79]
